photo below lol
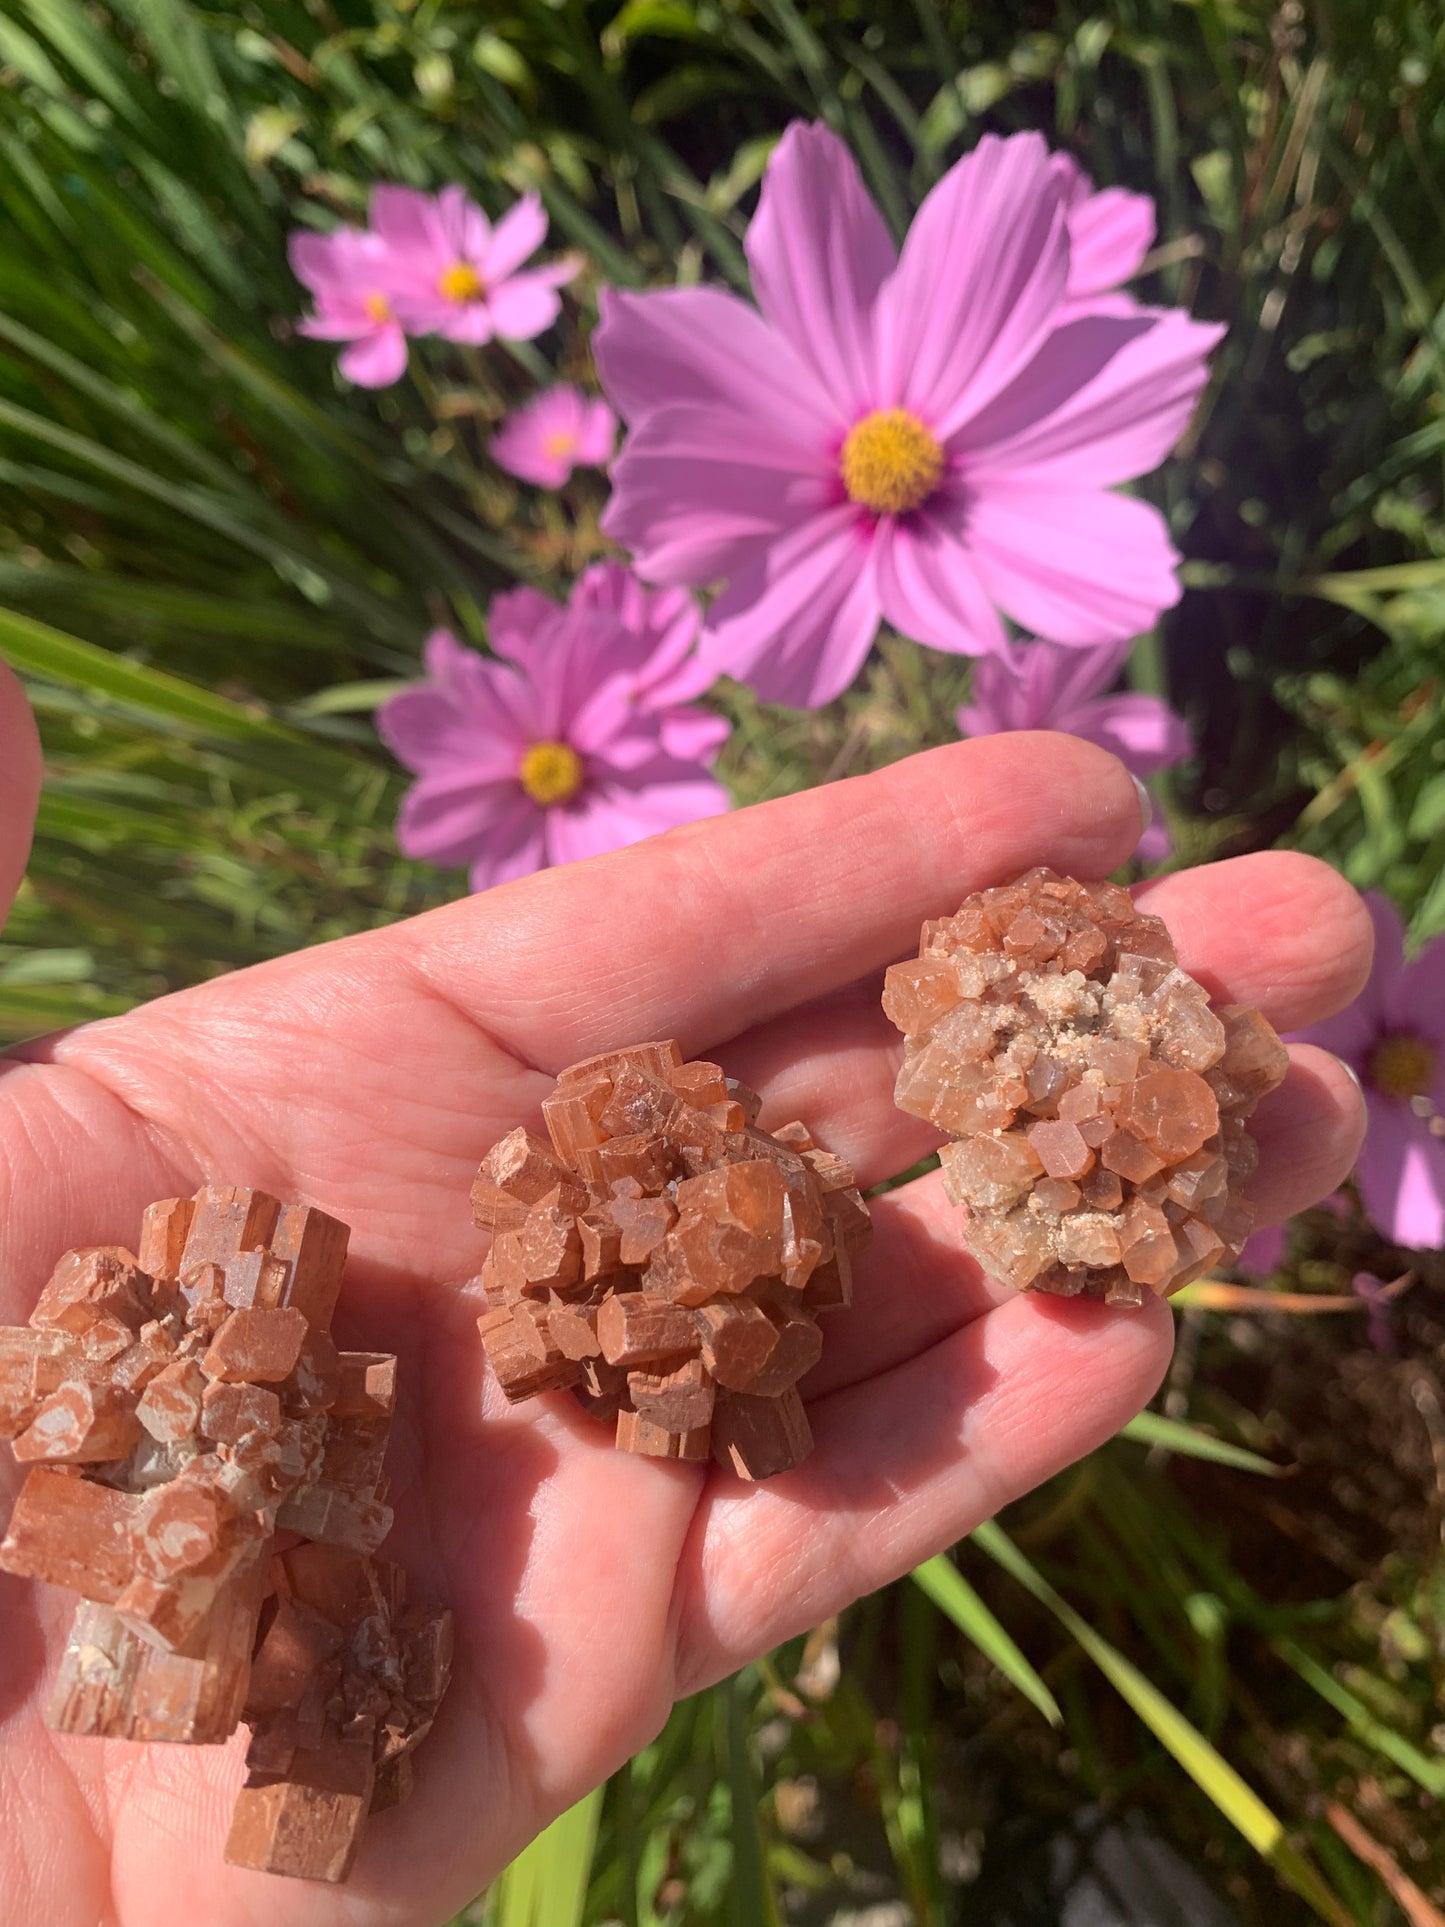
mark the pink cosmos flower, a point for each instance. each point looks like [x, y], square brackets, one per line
[557, 431]
[1393, 1037]
[930, 438]
[572, 742]
[1045, 686]
[457, 275]
[349, 273]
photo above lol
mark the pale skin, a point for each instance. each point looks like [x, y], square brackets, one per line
[592, 1589]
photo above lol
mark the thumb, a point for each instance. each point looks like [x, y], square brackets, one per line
[20, 771]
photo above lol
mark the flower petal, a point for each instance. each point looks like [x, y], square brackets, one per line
[426, 730]
[519, 233]
[929, 587]
[469, 322]
[693, 735]
[524, 305]
[409, 222]
[1417, 996]
[596, 434]
[701, 345]
[448, 818]
[1105, 399]
[697, 487]
[1155, 844]
[462, 224]
[516, 846]
[1383, 996]
[819, 253]
[797, 624]
[1142, 731]
[376, 360]
[1263, 1251]
[618, 813]
[1109, 234]
[1074, 565]
[1401, 1175]
[978, 285]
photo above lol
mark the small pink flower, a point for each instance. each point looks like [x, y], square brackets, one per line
[1393, 1038]
[932, 437]
[1043, 685]
[557, 431]
[459, 276]
[574, 740]
[349, 274]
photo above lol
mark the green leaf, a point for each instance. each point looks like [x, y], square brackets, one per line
[1150, 1428]
[501, 60]
[42, 651]
[1427, 818]
[675, 18]
[1209, 1770]
[268, 130]
[946, 1586]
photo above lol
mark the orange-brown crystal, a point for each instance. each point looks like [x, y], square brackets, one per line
[1097, 1098]
[178, 1410]
[666, 1260]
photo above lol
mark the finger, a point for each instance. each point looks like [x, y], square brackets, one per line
[1279, 930]
[19, 785]
[917, 1284]
[906, 1464]
[712, 928]
[1309, 1133]
[833, 1063]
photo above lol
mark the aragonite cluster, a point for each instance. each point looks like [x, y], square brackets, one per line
[1097, 1100]
[665, 1260]
[204, 1468]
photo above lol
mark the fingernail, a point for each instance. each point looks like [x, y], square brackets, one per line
[1351, 1073]
[1146, 804]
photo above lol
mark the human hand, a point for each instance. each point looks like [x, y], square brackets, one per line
[592, 1588]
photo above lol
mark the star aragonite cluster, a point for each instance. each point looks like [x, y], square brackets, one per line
[1097, 1101]
[666, 1260]
[187, 1422]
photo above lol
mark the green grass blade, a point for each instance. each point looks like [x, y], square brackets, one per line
[546, 1885]
[1151, 1428]
[946, 1586]
[1430, 1774]
[752, 1901]
[40, 650]
[1209, 1770]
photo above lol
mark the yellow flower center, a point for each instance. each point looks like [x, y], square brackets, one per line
[550, 773]
[563, 442]
[1402, 1066]
[460, 282]
[890, 463]
[377, 307]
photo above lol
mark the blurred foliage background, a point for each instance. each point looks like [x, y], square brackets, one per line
[1217, 1646]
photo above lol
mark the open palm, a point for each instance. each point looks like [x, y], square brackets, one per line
[591, 1588]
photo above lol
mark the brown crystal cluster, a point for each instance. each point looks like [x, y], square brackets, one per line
[1097, 1099]
[177, 1409]
[666, 1260]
